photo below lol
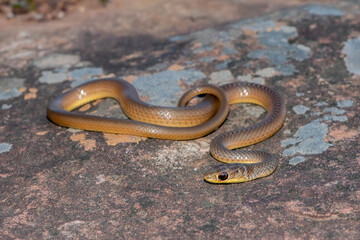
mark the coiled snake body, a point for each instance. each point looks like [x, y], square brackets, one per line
[184, 122]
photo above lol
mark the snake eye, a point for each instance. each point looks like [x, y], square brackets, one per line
[223, 176]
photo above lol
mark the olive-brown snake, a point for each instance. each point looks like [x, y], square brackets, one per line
[184, 122]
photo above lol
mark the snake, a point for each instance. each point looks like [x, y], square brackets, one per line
[184, 122]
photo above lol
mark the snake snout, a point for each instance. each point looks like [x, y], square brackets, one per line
[226, 173]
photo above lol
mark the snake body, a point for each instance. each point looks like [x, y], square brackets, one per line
[183, 122]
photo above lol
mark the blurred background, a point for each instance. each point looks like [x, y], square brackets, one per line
[159, 16]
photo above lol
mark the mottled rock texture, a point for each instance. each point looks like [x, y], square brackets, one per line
[59, 183]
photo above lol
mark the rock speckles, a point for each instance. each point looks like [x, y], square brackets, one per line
[56, 60]
[163, 88]
[9, 87]
[300, 109]
[323, 10]
[221, 77]
[308, 139]
[5, 147]
[352, 59]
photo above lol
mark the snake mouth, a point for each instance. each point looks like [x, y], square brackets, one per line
[208, 178]
[227, 173]
[216, 175]
[214, 180]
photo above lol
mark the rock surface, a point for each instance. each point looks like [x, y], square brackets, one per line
[59, 183]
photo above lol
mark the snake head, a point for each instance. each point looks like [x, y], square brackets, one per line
[227, 173]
